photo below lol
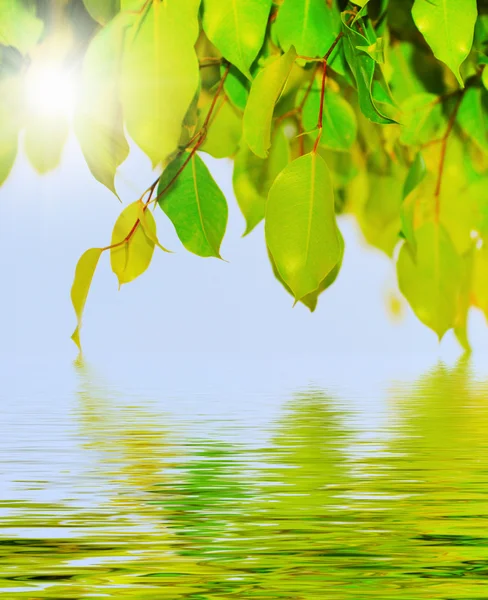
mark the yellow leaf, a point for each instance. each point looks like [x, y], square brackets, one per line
[85, 270]
[132, 250]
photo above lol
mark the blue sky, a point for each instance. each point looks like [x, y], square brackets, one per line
[183, 303]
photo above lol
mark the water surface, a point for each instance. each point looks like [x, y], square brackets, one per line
[108, 492]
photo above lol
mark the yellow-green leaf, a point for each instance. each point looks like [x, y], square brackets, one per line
[160, 75]
[10, 121]
[237, 29]
[224, 131]
[422, 119]
[253, 177]
[85, 270]
[102, 10]
[129, 259]
[448, 28]
[195, 204]
[98, 121]
[19, 26]
[265, 91]
[431, 279]
[473, 115]
[308, 25]
[300, 225]
[44, 141]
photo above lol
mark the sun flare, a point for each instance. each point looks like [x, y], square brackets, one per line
[50, 91]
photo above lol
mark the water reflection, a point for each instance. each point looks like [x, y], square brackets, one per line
[154, 510]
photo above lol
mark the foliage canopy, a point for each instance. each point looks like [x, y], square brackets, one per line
[375, 108]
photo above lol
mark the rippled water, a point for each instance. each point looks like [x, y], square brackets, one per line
[296, 495]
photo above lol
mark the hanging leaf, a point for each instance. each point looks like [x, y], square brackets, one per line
[431, 281]
[160, 75]
[195, 204]
[464, 300]
[265, 91]
[19, 26]
[339, 120]
[224, 131]
[10, 122]
[253, 177]
[472, 116]
[308, 25]
[484, 77]
[102, 11]
[129, 259]
[85, 269]
[415, 175]
[448, 28]
[44, 141]
[301, 230]
[98, 121]
[237, 29]
[363, 68]
[422, 120]
[376, 50]
[236, 87]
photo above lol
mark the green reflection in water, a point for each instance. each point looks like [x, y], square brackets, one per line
[320, 511]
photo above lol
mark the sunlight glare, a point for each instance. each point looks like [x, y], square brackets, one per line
[50, 91]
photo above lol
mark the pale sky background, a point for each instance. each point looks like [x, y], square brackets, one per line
[183, 303]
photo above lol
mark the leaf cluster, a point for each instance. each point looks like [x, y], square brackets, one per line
[374, 108]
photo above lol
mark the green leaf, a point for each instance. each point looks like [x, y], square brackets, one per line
[300, 225]
[19, 26]
[195, 204]
[237, 29]
[415, 174]
[464, 300]
[363, 68]
[253, 177]
[44, 141]
[480, 279]
[85, 269]
[160, 75]
[431, 281]
[376, 50]
[129, 259]
[102, 10]
[311, 300]
[98, 120]
[339, 120]
[236, 87]
[10, 122]
[473, 116]
[484, 77]
[308, 25]
[448, 28]
[224, 130]
[265, 91]
[422, 119]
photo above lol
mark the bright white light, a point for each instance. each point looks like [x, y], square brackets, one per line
[50, 91]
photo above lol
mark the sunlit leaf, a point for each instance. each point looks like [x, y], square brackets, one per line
[363, 68]
[473, 115]
[484, 78]
[85, 270]
[132, 249]
[301, 230]
[464, 300]
[10, 122]
[237, 28]
[308, 25]
[376, 50]
[339, 120]
[415, 174]
[237, 88]
[44, 141]
[160, 75]
[19, 26]
[195, 204]
[265, 91]
[422, 119]
[431, 280]
[253, 177]
[102, 10]
[224, 131]
[98, 120]
[448, 27]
